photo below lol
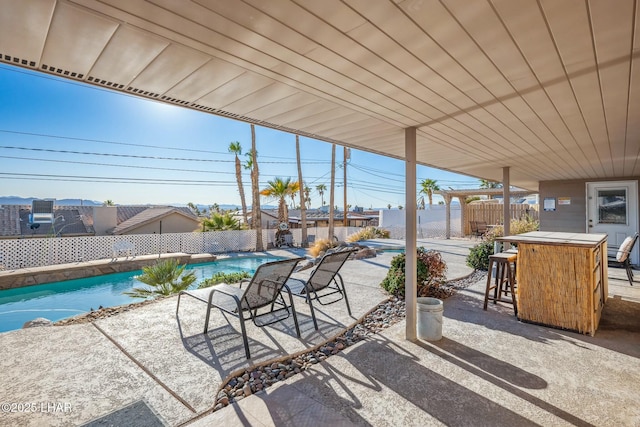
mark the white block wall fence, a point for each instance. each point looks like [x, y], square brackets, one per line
[29, 253]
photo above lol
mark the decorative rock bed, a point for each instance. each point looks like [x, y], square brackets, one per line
[386, 314]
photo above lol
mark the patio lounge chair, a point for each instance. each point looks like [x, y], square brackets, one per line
[323, 282]
[622, 256]
[264, 289]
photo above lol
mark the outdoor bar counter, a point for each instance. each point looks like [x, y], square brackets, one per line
[561, 279]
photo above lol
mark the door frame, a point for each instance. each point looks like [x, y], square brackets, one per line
[633, 212]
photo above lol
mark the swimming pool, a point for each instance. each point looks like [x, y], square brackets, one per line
[59, 300]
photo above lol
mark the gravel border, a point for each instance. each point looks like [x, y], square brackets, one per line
[257, 378]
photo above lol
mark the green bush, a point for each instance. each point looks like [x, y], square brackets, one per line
[431, 270]
[478, 257]
[222, 277]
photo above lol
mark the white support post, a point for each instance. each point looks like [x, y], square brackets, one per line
[447, 203]
[411, 272]
[506, 201]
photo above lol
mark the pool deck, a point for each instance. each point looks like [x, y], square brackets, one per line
[489, 369]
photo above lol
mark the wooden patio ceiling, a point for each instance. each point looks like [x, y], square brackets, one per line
[549, 88]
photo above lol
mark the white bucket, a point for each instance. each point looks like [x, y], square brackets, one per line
[429, 318]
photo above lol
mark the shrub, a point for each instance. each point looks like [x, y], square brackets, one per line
[321, 245]
[431, 272]
[163, 278]
[222, 277]
[368, 233]
[478, 257]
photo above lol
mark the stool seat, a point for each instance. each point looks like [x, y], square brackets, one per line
[505, 282]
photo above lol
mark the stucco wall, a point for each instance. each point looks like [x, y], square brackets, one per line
[573, 217]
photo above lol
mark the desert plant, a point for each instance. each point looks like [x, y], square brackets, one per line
[163, 278]
[368, 233]
[478, 257]
[221, 222]
[321, 245]
[222, 277]
[431, 270]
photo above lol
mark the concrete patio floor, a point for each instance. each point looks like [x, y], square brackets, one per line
[489, 369]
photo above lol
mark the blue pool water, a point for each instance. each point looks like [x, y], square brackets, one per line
[59, 300]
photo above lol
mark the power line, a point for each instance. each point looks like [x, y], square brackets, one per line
[186, 159]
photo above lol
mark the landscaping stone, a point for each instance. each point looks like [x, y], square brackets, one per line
[382, 317]
[40, 321]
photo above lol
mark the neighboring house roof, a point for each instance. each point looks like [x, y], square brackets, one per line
[150, 215]
[78, 220]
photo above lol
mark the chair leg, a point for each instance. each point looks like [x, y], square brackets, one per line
[627, 267]
[488, 287]
[512, 279]
[295, 316]
[244, 333]
[178, 306]
[344, 292]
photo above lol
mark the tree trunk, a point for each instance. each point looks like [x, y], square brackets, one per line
[331, 195]
[303, 205]
[255, 186]
[241, 189]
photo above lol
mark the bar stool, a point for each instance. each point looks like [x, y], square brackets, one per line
[505, 281]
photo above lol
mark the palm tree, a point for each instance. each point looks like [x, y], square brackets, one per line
[194, 208]
[428, 187]
[163, 278]
[221, 222]
[489, 184]
[307, 196]
[321, 189]
[236, 148]
[256, 218]
[279, 189]
[389, 206]
[108, 202]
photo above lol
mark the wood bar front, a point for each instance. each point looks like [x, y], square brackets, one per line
[561, 279]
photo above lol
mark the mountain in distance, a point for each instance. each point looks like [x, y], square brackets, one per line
[16, 200]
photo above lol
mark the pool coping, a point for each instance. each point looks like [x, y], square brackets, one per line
[12, 279]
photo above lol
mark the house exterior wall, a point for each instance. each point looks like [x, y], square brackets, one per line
[174, 223]
[573, 217]
[105, 219]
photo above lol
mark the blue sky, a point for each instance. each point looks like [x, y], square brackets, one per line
[64, 139]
